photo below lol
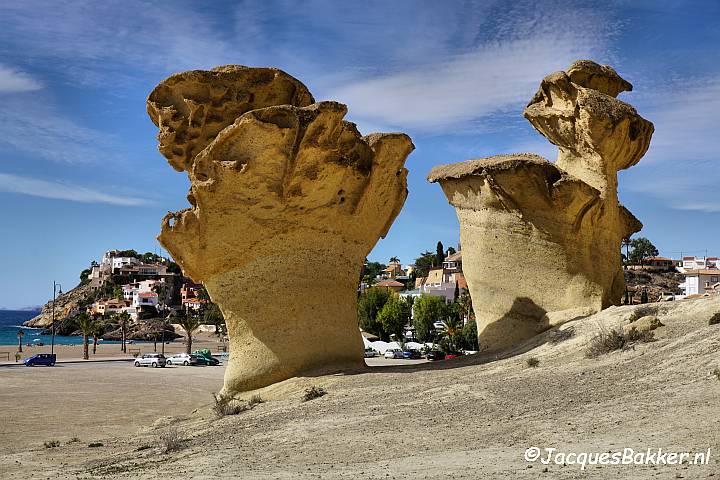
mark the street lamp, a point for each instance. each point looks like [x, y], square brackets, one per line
[57, 290]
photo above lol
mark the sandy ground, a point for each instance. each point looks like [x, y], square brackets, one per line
[468, 418]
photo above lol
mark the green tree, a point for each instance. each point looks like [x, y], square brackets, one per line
[84, 276]
[426, 311]
[394, 315]
[86, 325]
[20, 335]
[394, 260]
[470, 336]
[451, 251]
[452, 336]
[424, 263]
[370, 302]
[122, 320]
[439, 255]
[642, 248]
[213, 316]
[97, 331]
[371, 270]
[456, 293]
[190, 323]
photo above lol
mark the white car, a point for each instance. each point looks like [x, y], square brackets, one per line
[182, 359]
[151, 360]
[393, 353]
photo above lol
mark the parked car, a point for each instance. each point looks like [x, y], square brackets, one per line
[369, 353]
[182, 359]
[151, 360]
[47, 359]
[204, 358]
[393, 353]
[452, 355]
[411, 354]
[435, 355]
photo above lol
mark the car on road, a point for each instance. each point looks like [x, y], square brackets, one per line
[435, 355]
[182, 359]
[369, 353]
[205, 358]
[411, 354]
[151, 360]
[393, 353]
[47, 359]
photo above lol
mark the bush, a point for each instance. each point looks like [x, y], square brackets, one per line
[52, 444]
[95, 444]
[313, 393]
[716, 372]
[561, 335]
[643, 311]
[171, 441]
[74, 440]
[616, 339]
[225, 405]
[715, 319]
[255, 400]
[532, 362]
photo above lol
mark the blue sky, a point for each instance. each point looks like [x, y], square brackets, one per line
[79, 169]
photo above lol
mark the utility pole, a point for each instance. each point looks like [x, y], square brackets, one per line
[52, 325]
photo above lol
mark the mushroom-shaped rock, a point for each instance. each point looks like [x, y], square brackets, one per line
[541, 240]
[287, 201]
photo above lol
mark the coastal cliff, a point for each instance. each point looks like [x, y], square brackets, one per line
[67, 306]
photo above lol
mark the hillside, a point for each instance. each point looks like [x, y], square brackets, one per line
[468, 418]
[67, 306]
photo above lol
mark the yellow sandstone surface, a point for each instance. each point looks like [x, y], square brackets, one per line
[541, 240]
[287, 201]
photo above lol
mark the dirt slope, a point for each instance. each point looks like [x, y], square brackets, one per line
[470, 418]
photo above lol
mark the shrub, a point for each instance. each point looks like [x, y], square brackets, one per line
[52, 444]
[74, 440]
[95, 444]
[313, 393]
[643, 311]
[532, 362]
[225, 405]
[561, 335]
[715, 319]
[716, 372]
[255, 400]
[171, 441]
[616, 339]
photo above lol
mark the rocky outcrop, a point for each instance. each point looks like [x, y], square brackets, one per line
[287, 201]
[541, 240]
[67, 306]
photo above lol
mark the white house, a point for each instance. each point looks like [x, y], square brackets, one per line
[701, 282]
[700, 263]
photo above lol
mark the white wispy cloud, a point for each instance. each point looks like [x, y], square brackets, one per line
[497, 76]
[63, 191]
[682, 166]
[14, 81]
[31, 124]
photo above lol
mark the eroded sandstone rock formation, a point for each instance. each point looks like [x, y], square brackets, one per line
[287, 200]
[541, 240]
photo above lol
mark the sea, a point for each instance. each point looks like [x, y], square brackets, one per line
[11, 321]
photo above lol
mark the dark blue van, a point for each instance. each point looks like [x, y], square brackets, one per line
[47, 359]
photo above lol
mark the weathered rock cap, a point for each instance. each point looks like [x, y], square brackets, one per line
[602, 78]
[478, 166]
[192, 107]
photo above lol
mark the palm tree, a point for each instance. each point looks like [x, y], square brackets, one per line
[98, 329]
[189, 323]
[20, 334]
[213, 316]
[122, 320]
[394, 260]
[453, 328]
[86, 324]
